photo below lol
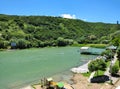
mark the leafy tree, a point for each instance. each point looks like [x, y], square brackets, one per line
[116, 41]
[21, 43]
[61, 41]
[3, 44]
[114, 70]
[92, 37]
[108, 54]
[47, 29]
[115, 38]
[95, 65]
[118, 55]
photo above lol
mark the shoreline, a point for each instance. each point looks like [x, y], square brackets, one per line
[78, 82]
[66, 76]
[81, 69]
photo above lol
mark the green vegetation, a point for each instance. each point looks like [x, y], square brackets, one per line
[114, 69]
[118, 55]
[99, 73]
[42, 31]
[97, 65]
[96, 45]
[86, 74]
[108, 54]
[117, 63]
[108, 63]
[78, 45]
[115, 38]
[91, 45]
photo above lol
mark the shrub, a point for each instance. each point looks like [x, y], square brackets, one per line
[21, 43]
[114, 70]
[4, 44]
[95, 65]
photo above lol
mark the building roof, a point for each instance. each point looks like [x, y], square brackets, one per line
[84, 48]
[49, 79]
[112, 47]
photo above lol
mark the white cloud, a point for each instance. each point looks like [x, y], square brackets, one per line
[84, 19]
[68, 16]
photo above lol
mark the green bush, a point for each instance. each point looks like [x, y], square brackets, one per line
[97, 45]
[21, 43]
[4, 44]
[114, 70]
[95, 65]
[55, 31]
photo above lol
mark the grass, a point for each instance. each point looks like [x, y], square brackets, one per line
[86, 74]
[108, 63]
[91, 45]
[117, 63]
[97, 45]
[78, 45]
[99, 73]
[2, 49]
[102, 72]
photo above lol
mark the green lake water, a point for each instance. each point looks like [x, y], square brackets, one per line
[23, 67]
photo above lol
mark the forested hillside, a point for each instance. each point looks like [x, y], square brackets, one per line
[42, 31]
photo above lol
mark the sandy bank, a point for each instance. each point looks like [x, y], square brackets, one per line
[81, 69]
[80, 82]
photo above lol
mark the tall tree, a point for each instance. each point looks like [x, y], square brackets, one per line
[95, 65]
[118, 55]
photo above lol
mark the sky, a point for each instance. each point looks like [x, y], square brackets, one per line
[107, 11]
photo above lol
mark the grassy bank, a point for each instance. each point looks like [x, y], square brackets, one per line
[96, 45]
[99, 71]
[117, 63]
[91, 45]
[74, 45]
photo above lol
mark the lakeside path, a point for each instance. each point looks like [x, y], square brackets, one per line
[114, 79]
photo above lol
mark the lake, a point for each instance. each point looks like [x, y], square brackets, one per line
[23, 67]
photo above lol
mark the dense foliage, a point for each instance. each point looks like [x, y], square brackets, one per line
[42, 31]
[108, 54]
[116, 38]
[114, 69]
[118, 55]
[95, 65]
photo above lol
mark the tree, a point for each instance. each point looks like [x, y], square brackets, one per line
[48, 29]
[114, 70]
[21, 44]
[118, 55]
[116, 41]
[108, 54]
[61, 41]
[115, 38]
[95, 65]
[3, 44]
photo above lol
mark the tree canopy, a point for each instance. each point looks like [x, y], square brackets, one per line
[41, 31]
[95, 65]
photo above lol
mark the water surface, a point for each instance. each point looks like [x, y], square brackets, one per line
[22, 67]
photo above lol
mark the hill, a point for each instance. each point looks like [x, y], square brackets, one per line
[41, 31]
